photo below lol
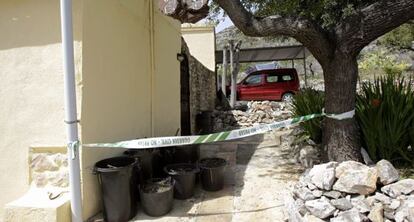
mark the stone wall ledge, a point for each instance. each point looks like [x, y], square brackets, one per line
[35, 205]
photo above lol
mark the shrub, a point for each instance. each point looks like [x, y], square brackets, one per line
[309, 101]
[385, 113]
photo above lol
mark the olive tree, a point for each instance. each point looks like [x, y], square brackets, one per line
[334, 31]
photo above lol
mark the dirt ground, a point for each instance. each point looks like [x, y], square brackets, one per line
[264, 174]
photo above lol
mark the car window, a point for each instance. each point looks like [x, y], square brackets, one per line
[272, 78]
[287, 77]
[252, 80]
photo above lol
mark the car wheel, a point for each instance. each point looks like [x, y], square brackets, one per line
[287, 97]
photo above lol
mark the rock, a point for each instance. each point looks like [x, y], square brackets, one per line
[300, 205]
[321, 208]
[308, 156]
[342, 204]
[389, 215]
[311, 218]
[323, 175]
[386, 172]
[394, 190]
[348, 165]
[393, 205]
[355, 178]
[303, 193]
[348, 216]
[405, 211]
[377, 213]
[332, 194]
[361, 204]
[43, 162]
[291, 210]
[317, 193]
[382, 198]
[365, 156]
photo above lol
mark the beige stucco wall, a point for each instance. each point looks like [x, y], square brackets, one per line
[31, 86]
[201, 40]
[130, 81]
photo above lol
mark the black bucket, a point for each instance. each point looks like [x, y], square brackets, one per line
[157, 196]
[117, 177]
[212, 173]
[184, 176]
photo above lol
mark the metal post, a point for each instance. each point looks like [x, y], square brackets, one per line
[233, 79]
[70, 109]
[293, 63]
[224, 75]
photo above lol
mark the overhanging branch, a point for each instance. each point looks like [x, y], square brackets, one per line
[372, 22]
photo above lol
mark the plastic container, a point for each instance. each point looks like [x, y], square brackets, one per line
[184, 176]
[157, 196]
[148, 160]
[212, 173]
[117, 177]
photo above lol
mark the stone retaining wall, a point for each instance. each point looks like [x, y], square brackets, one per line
[352, 192]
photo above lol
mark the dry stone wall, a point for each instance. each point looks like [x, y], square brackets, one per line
[49, 169]
[250, 114]
[352, 192]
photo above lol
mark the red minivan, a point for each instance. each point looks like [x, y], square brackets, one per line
[273, 84]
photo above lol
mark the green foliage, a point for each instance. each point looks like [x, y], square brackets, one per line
[309, 101]
[324, 12]
[400, 38]
[385, 112]
[381, 61]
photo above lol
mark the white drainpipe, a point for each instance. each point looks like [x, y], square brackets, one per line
[70, 109]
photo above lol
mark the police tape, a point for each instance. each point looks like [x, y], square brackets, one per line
[158, 142]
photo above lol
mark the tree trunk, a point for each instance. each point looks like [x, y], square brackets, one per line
[341, 137]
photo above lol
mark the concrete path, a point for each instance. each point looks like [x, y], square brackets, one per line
[264, 174]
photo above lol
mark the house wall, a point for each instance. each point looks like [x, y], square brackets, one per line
[199, 46]
[130, 81]
[31, 86]
[201, 40]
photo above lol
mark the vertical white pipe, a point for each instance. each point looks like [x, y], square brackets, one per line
[224, 75]
[233, 76]
[70, 109]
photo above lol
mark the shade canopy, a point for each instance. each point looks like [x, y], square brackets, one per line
[268, 54]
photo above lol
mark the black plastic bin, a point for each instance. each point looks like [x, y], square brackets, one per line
[117, 177]
[184, 176]
[148, 160]
[157, 196]
[212, 173]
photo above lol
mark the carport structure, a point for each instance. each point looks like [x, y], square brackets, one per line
[264, 54]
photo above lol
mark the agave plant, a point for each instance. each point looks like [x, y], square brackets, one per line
[385, 112]
[309, 101]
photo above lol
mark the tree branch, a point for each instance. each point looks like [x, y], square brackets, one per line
[305, 31]
[372, 22]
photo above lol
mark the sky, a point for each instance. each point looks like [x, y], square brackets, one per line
[224, 24]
